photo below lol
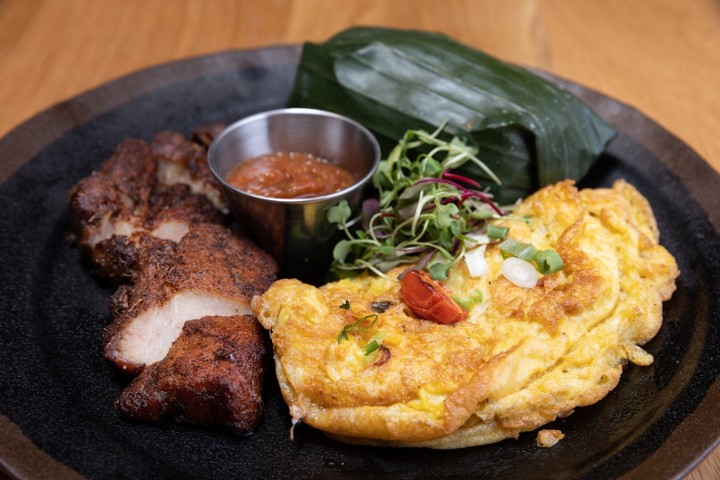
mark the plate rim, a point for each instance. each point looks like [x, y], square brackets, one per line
[20, 145]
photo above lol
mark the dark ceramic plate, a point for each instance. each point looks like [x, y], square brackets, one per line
[57, 393]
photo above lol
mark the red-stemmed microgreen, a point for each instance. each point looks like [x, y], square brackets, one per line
[422, 211]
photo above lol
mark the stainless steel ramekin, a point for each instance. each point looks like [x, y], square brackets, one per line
[295, 231]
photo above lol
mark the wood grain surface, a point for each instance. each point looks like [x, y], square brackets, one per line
[659, 56]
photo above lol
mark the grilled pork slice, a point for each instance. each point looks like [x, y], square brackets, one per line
[174, 209]
[211, 271]
[113, 200]
[185, 162]
[118, 257]
[122, 211]
[170, 213]
[212, 375]
[167, 216]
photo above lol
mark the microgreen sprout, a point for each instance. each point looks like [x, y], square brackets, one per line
[422, 211]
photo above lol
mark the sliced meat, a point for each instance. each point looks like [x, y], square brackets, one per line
[119, 257]
[153, 216]
[174, 208]
[110, 207]
[211, 271]
[167, 215]
[185, 162]
[212, 375]
[112, 200]
[122, 211]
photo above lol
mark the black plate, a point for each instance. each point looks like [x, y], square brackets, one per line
[57, 393]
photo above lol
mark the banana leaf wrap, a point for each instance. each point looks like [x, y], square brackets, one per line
[529, 131]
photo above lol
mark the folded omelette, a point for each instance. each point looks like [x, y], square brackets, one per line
[353, 360]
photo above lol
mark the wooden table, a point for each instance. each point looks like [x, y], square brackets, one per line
[659, 56]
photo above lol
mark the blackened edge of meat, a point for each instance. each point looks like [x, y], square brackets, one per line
[211, 376]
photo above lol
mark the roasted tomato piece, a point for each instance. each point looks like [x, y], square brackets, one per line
[428, 299]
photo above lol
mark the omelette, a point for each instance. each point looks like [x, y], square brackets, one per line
[355, 362]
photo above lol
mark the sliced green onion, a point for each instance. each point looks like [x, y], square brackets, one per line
[513, 248]
[357, 326]
[476, 263]
[469, 302]
[520, 272]
[371, 347]
[475, 238]
[374, 343]
[498, 233]
[548, 261]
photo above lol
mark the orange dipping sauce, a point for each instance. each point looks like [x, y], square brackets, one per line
[289, 175]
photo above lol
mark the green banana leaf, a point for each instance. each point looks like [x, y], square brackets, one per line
[529, 131]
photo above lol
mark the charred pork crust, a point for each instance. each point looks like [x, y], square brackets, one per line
[211, 270]
[184, 161]
[212, 375]
[153, 219]
[123, 184]
[157, 190]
